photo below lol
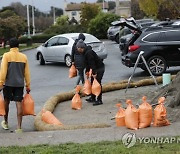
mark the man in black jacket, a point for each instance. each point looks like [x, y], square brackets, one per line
[78, 59]
[92, 61]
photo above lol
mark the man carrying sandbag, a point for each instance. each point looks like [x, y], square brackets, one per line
[14, 69]
[92, 61]
[78, 59]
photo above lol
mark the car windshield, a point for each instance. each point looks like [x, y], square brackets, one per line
[89, 39]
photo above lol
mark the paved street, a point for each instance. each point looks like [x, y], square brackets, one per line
[52, 78]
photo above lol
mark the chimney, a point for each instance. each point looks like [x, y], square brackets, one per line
[65, 6]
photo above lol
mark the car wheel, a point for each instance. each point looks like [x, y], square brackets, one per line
[68, 60]
[157, 65]
[41, 59]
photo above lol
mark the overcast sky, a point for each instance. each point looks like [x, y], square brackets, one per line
[42, 5]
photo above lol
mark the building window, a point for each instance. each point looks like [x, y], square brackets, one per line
[73, 13]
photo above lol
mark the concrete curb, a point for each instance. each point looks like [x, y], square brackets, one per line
[51, 103]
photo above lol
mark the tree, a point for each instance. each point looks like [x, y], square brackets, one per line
[160, 8]
[112, 5]
[149, 7]
[100, 24]
[62, 20]
[135, 10]
[19, 9]
[88, 12]
[11, 25]
[58, 11]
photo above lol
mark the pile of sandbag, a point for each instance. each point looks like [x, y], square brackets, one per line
[134, 118]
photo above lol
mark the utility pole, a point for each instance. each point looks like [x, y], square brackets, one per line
[54, 15]
[33, 24]
[103, 5]
[28, 23]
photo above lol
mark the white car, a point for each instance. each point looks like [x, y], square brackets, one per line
[58, 48]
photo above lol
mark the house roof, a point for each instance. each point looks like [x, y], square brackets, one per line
[77, 6]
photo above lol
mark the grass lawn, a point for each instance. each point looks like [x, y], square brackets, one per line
[105, 147]
[22, 46]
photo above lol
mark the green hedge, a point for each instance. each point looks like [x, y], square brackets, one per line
[36, 39]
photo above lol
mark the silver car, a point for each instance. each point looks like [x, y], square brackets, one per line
[58, 48]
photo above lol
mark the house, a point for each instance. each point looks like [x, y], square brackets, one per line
[123, 8]
[73, 10]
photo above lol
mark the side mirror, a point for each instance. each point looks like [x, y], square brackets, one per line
[45, 44]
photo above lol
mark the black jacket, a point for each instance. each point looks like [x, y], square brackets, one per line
[92, 60]
[77, 57]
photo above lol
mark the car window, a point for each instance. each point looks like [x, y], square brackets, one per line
[169, 36]
[173, 36]
[63, 41]
[52, 42]
[152, 37]
[91, 38]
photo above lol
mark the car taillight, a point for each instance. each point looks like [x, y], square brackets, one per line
[133, 48]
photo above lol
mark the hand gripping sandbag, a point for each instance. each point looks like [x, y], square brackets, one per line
[120, 116]
[131, 116]
[145, 113]
[160, 114]
[87, 87]
[28, 105]
[2, 108]
[76, 100]
[96, 87]
[49, 118]
[72, 71]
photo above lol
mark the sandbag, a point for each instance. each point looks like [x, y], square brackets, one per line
[120, 116]
[28, 105]
[96, 87]
[145, 113]
[72, 71]
[87, 87]
[160, 114]
[131, 116]
[76, 100]
[2, 107]
[49, 118]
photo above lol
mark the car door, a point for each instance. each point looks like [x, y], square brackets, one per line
[50, 48]
[62, 49]
[170, 41]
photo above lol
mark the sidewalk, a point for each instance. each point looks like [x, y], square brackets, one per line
[91, 114]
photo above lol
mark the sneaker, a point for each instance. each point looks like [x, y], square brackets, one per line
[18, 131]
[4, 125]
[90, 99]
[97, 103]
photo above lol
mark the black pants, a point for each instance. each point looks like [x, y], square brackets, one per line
[80, 76]
[100, 73]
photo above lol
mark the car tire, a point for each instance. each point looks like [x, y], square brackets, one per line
[157, 65]
[68, 60]
[41, 59]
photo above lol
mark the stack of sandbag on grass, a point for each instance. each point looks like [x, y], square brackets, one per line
[131, 116]
[145, 113]
[142, 117]
[160, 114]
[120, 116]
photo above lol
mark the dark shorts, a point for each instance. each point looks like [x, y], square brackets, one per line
[13, 93]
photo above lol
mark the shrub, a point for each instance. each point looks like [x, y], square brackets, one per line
[100, 24]
[36, 39]
[61, 29]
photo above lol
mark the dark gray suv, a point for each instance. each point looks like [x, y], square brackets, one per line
[161, 46]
